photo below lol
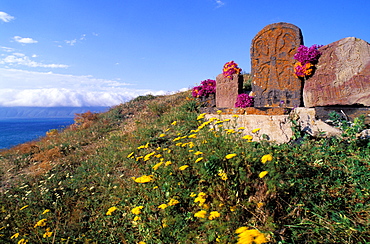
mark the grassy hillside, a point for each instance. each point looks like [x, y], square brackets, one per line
[154, 171]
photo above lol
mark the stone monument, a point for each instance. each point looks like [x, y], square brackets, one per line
[272, 55]
[227, 90]
[342, 76]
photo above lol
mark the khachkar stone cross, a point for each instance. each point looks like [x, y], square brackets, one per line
[272, 54]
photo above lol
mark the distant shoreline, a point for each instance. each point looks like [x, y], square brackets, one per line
[46, 112]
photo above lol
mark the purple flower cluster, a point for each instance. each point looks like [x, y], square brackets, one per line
[206, 87]
[243, 101]
[308, 54]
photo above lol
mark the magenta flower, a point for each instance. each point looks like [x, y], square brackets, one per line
[243, 101]
[308, 54]
[207, 87]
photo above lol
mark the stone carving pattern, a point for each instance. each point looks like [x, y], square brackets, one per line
[274, 83]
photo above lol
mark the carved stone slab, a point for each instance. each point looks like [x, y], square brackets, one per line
[342, 76]
[272, 56]
[227, 90]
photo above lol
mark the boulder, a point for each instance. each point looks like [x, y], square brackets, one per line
[342, 75]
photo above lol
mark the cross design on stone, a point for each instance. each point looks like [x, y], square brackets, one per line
[272, 51]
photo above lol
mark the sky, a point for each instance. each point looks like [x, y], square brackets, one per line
[105, 52]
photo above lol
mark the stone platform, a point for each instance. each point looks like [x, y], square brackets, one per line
[275, 123]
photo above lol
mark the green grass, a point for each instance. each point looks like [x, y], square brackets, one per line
[315, 191]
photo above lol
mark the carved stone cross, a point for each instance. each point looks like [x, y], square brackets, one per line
[272, 56]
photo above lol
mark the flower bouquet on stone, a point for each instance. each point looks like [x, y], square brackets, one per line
[244, 100]
[231, 68]
[205, 92]
[306, 58]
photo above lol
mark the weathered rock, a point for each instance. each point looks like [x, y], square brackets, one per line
[342, 76]
[276, 128]
[227, 90]
[272, 57]
[310, 124]
[250, 110]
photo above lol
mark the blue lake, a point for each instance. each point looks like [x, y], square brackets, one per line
[17, 131]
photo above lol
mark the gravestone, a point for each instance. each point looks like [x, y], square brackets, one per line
[342, 76]
[272, 55]
[227, 90]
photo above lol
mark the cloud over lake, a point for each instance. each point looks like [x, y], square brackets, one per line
[29, 88]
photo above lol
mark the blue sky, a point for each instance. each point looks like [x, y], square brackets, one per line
[103, 52]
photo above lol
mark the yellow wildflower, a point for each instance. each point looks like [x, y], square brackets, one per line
[199, 159]
[137, 210]
[174, 123]
[183, 167]
[266, 158]
[40, 223]
[141, 242]
[218, 111]
[144, 179]
[147, 157]
[231, 155]
[260, 204]
[138, 158]
[14, 236]
[200, 214]
[130, 155]
[168, 163]
[22, 241]
[247, 236]
[26, 206]
[137, 218]
[176, 139]
[198, 153]
[194, 131]
[155, 167]
[163, 206]
[213, 215]
[262, 174]
[233, 208]
[162, 135]
[247, 137]
[201, 116]
[241, 128]
[223, 175]
[111, 210]
[193, 136]
[173, 202]
[256, 130]
[155, 187]
[201, 198]
[226, 120]
[193, 194]
[235, 116]
[48, 233]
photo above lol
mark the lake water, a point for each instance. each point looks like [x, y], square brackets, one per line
[17, 131]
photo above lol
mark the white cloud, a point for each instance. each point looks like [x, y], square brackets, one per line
[25, 40]
[5, 17]
[71, 42]
[22, 59]
[219, 3]
[7, 49]
[40, 89]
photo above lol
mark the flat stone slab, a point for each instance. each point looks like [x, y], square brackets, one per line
[342, 76]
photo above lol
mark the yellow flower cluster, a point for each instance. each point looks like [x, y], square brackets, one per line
[137, 210]
[250, 236]
[143, 179]
[111, 210]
